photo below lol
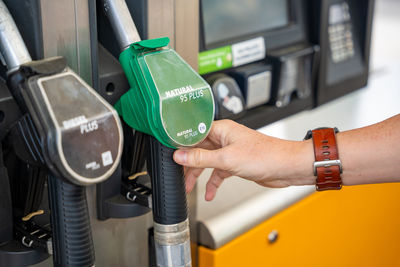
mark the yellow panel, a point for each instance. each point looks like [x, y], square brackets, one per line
[356, 226]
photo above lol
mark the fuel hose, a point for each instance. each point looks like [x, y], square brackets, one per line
[171, 225]
[72, 235]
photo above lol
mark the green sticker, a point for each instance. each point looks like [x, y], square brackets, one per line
[216, 59]
[186, 100]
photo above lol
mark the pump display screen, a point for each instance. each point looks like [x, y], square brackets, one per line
[227, 19]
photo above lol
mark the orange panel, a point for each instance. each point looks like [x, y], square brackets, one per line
[356, 226]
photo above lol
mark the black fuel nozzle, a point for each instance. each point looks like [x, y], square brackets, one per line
[75, 132]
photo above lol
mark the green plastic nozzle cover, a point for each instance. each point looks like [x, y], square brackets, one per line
[167, 99]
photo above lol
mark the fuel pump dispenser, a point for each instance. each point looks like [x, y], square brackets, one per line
[170, 102]
[70, 130]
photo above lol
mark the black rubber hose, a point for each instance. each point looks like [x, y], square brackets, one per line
[72, 235]
[6, 215]
[168, 184]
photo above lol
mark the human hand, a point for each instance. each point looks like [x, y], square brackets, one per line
[233, 149]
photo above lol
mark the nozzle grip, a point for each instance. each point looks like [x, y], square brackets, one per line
[72, 236]
[168, 184]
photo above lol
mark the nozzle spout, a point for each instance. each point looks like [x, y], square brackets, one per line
[121, 21]
[12, 46]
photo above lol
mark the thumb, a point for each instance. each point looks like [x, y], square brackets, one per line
[199, 158]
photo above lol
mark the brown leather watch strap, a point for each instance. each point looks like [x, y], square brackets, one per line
[327, 166]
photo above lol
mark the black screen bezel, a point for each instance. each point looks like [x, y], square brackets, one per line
[273, 38]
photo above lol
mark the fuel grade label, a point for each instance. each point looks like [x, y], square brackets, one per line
[186, 100]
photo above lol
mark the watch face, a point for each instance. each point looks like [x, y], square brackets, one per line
[309, 132]
[308, 135]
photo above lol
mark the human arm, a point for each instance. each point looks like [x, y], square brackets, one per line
[369, 155]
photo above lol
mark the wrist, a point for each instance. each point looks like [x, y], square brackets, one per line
[301, 164]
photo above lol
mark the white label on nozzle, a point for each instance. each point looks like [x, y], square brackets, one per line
[92, 165]
[74, 122]
[107, 158]
[202, 127]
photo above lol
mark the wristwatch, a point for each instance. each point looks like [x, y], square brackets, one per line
[327, 165]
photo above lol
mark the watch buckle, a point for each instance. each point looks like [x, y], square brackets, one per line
[327, 163]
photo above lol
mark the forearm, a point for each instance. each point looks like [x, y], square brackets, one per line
[369, 155]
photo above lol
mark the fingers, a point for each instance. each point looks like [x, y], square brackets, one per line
[191, 176]
[215, 181]
[220, 131]
[207, 154]
[200, 158]
[208, 144]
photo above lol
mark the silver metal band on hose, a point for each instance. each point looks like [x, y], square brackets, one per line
[121, 21]
[172, 244]
[12, 46]
[171, 234]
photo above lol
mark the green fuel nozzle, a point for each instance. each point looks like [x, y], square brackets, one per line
[171, 102]
[167, 99]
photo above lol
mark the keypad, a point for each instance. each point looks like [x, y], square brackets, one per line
[340, 33]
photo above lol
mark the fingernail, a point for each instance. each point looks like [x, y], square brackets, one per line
[180, 156]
